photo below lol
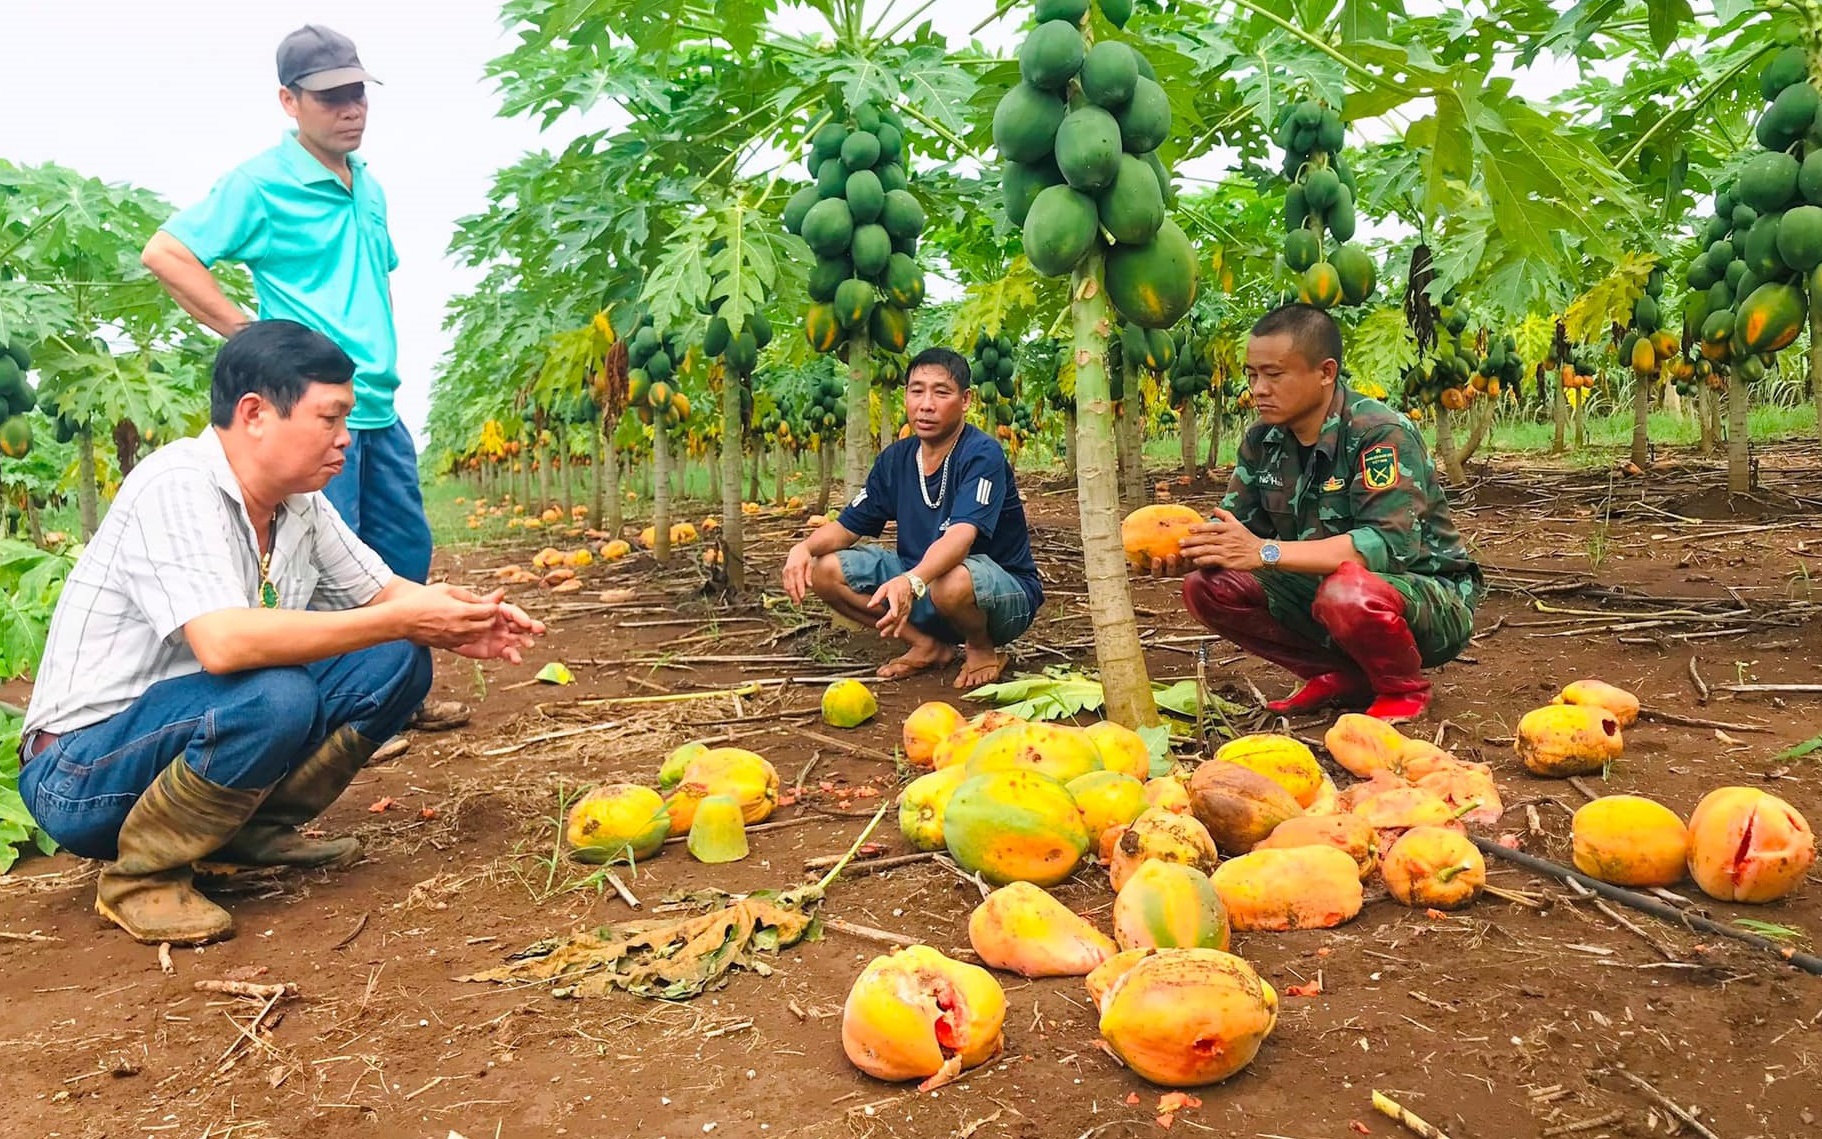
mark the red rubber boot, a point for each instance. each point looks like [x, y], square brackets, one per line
[1232, 603]
[1365, 616]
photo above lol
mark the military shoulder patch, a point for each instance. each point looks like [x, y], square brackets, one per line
[1379, 466]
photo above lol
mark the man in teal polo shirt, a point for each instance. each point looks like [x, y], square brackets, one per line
[310, 222]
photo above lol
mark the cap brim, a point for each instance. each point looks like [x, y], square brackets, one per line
[337, 77]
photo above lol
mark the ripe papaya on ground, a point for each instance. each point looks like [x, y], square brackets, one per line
[1154, 284]
[1629, 840]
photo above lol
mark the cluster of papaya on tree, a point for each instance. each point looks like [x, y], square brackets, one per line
[1466, 365]
[995, 370]
[16, 401]
[737, 350]
[653, 387]
[1079, 135]
[1189, 371]
[1575, 370]
[862, 222]
[1321, 200]
[1648, 348]
[1748, 287]
[825, 412]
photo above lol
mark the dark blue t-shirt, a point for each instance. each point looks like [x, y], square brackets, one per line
[981, 492]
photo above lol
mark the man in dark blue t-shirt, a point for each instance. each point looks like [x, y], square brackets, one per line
[962, 573]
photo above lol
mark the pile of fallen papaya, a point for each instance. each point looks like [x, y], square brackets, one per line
[1257, 838]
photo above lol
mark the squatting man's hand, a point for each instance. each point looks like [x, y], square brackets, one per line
[797, 566]
[484, 627]
[896, 595]
[1220, 543]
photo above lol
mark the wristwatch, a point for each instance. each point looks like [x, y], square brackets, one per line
[1269, 553]
[918, 588]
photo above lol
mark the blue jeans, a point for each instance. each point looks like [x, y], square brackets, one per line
[997, 594]
[377, 496]
[244, 730]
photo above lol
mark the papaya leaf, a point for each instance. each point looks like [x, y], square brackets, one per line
[1055, 695]
[1806, 748]
[990, 306]
[1157, 744]
[1590, 317]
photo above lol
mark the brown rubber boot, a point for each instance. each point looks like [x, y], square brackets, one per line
[271, 837]
[147, 889]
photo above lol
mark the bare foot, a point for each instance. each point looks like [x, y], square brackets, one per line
[981, 666]
[934, 654]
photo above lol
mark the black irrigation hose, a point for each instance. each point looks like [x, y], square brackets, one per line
[1808, 962]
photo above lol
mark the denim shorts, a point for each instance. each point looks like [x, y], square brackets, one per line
[997, 594]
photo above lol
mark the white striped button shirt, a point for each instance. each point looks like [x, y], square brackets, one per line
[175, 545]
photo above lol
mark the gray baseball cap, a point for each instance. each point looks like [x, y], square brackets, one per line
[316, 58]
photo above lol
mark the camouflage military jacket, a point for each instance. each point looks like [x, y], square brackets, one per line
[1369, 477]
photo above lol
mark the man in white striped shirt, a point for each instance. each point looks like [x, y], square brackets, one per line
[226, 654]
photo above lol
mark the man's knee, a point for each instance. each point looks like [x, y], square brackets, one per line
[410, 667]
[259, 727]
[953, 592]
[1353, 591]
[1213, 596]
[826, 576]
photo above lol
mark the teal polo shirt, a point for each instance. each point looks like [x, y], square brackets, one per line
[320, 254]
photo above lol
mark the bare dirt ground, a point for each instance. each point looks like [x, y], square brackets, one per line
[1503, 1020]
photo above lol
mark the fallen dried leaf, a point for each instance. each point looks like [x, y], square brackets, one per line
[1358, 1127]
[383, 803]
[427, 813]
[1308, 989]
[1133, 1098]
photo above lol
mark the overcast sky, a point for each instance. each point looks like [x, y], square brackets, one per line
[170, 95]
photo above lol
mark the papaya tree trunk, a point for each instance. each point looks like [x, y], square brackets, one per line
[661, 494]
[825, 469]
[1815, 355]
[1445, 447]
[33, 526]
[1559, 413]
[544, 498]
[778, 483]
[1131, 442]
[596, 476]
[859, 432]
[1070, 442]
[1124, 681]
[88, 499]
[616, 498]
[563, 474]
[1581, 420]
[1704, 411]
[1215, 415]
[1641, 421]
[1186, 430]
[753, 476]
[888, 427]
[733, 532]
[1739, 473]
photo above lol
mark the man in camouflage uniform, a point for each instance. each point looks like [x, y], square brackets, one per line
[1333, 554]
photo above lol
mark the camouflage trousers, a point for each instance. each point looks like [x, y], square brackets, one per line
[1439, 611]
